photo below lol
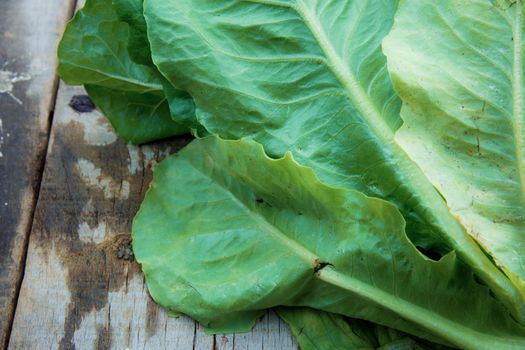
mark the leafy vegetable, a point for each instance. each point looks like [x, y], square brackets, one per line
[131, 12]
[226, 232]
[316, 329]
[309, 77]
[459, 67]
[137, 117]
[93, 52]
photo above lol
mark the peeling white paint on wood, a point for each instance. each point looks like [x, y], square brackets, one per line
[89, 234]
[93, 177]
[149, 155]
[134, 165]
[8, 80]
[97, 130]
[101, 133]
[1, 137]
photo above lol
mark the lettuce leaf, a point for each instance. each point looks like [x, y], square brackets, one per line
[137, 117]
[226, 232]
[131, 12]
[459, 67]
[316, 330]
[309, 76]
[93, 52]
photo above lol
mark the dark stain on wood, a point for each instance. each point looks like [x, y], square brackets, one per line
[93, 269]
[124, 250]
[103, 337]
[24, 128]
[152, 318]
[19, 179]
[82, 104]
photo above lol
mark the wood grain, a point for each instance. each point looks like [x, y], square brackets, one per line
[82, 289]
[29, 33]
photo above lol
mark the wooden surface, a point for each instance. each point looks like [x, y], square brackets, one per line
[29, 32]
[82, 288]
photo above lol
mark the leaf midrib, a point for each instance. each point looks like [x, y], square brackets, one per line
[309, 257]
[109, 76]
[448, 329]
[449, 228]
[353, 88]
[369, 113]
[518, 120]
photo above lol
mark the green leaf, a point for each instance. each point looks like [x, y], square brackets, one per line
[93, 52]
[316, 330]
[137, 118]
[182, 108]
[181, 104]
[225, 232]
[131, 12]
[459, 67]
[309, 76]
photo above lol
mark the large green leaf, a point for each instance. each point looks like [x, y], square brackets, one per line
[93, 52]
[225, 232]
[459, 67]
[309, 76]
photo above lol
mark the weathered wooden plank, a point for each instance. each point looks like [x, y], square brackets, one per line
[269, 333]
[29, 33]
[80, 286]
[80, 291]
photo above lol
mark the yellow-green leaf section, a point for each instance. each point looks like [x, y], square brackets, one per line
[459, 67]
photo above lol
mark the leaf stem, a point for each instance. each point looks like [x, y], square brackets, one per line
[409, 173]
[439, 325]
[518, 95]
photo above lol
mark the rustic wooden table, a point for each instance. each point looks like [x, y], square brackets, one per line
[68, 191]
